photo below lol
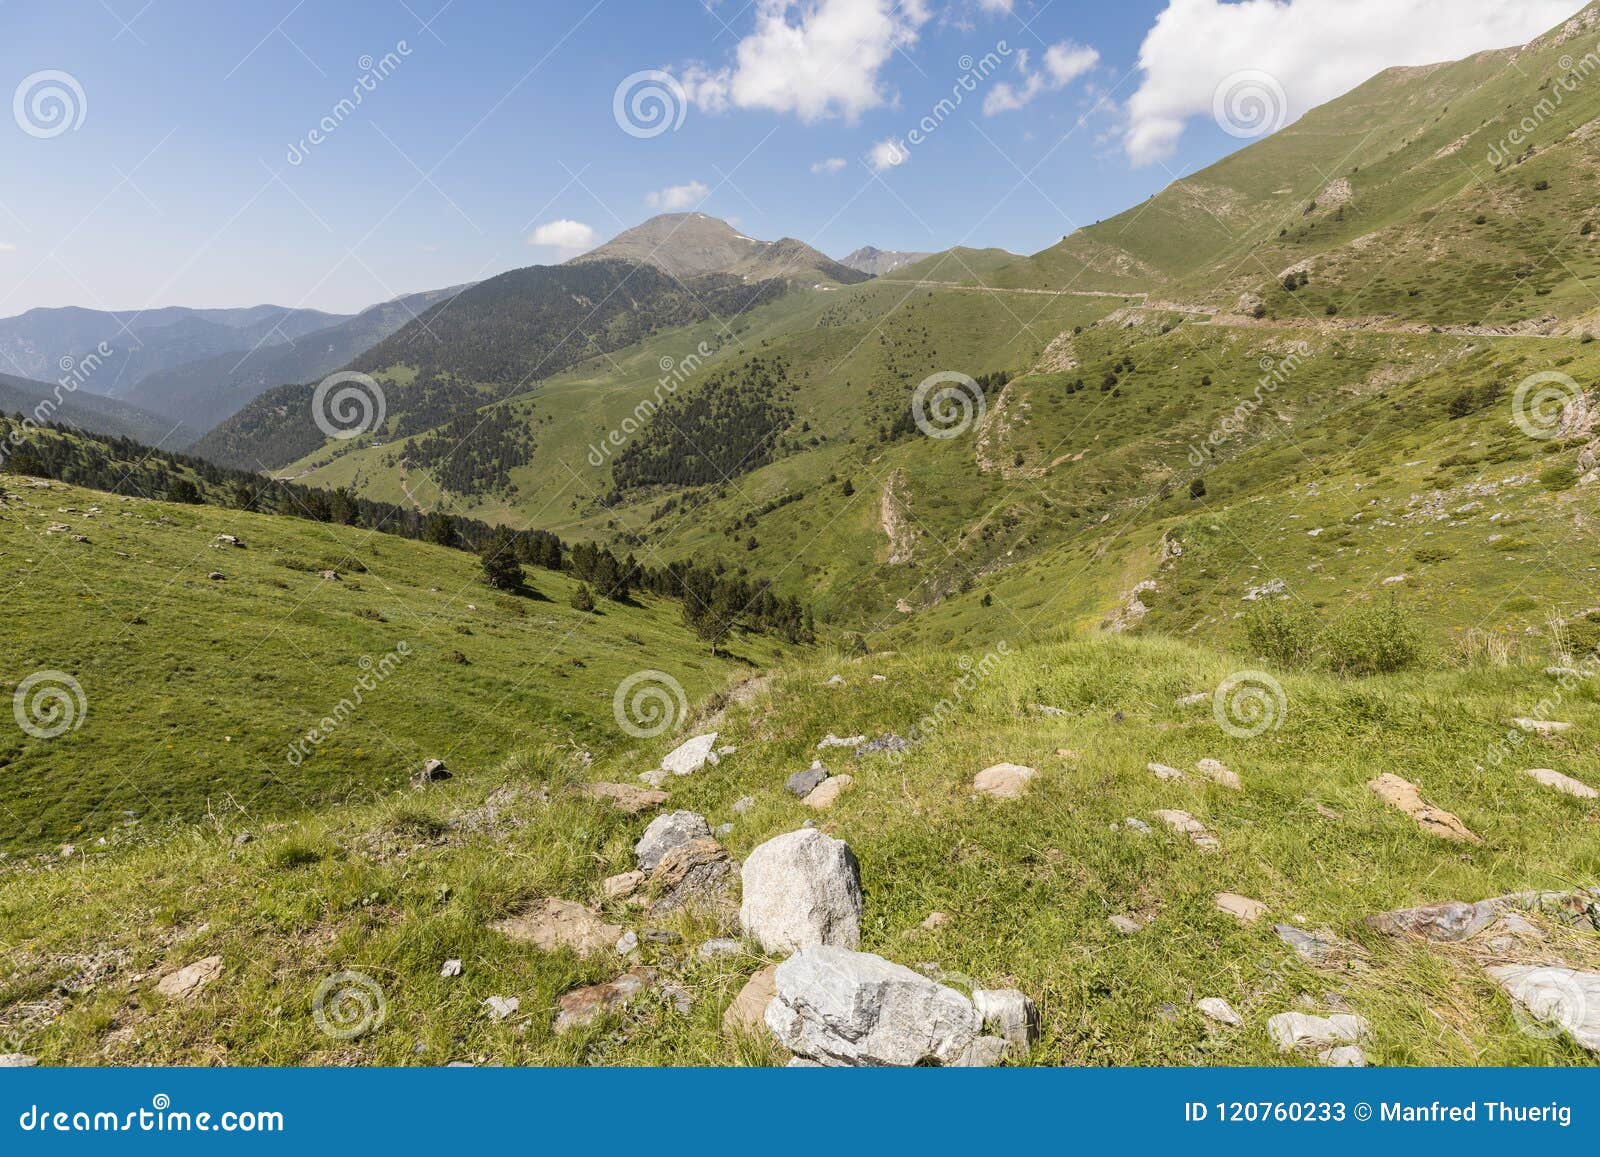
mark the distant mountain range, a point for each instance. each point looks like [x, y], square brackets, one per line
[876, 262]
[687, 245]
[90, 412]
[198, 366]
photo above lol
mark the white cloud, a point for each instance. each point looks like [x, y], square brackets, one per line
[888, 153]
[1063, 63]
[567, 237]
[813, 58]
[676, 197]
[7, 247]
[831, 165]
[1314, 49]
[998, 7]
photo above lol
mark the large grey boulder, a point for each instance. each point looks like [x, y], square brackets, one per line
[673, 830]
[691, 755]
[841, 1008]
[802, 889]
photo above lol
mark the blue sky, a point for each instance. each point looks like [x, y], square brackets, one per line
[187, 175]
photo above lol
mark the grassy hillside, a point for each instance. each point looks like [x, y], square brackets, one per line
[194, 688]
[393, 889]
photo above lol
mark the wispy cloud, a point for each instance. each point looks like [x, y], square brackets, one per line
[1063, 64]
[830, 165]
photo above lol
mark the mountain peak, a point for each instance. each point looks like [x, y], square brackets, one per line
[875, 262]
[692, 244]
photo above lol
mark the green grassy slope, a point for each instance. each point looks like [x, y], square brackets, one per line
[195, 688]
[393, 889]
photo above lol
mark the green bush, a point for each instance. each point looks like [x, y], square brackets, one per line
[1559, 478]
[1373, 640]
[1283, 632]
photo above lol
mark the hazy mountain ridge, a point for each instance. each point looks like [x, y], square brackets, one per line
[876, 262]
[688, 245]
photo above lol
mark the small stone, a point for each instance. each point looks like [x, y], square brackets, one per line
[433, 770]
[666, 832]
[1299, 1030]
[1405, 796]
[1193, 700]
[715, 949]
[500, 1007]
[625, 797]
[889, 743]
[661, 936]
[1134, 824]
[1049, 712]
[1217, 772]
[696, 875]
[835, 681]
[1541, 726]
[17, 1061]
[727, 749]
[722, 831]
[622, 885]
[880, 678]
[1185, 824]
[217, 576]
[655, 778]
[1009, 1014]
[242, 839]
[829, 790]
[1004, 780]
[744, 805]
[832, 740]
[1162, 771]
[1344, 1057]
[553, 924]
[583, 1006]
[691, 755]
[748, 1011]
[186, 983]
[1126, 924]
[451, 968]
[1241, 908]
[935, 920]
[803, 783]
[1219, 1010]
[1563, 783]
[1318, 947]
[627, 942]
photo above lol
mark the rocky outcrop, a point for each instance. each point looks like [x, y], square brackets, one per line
[666, 832]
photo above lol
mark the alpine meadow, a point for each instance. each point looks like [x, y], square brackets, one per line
[589, 625]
